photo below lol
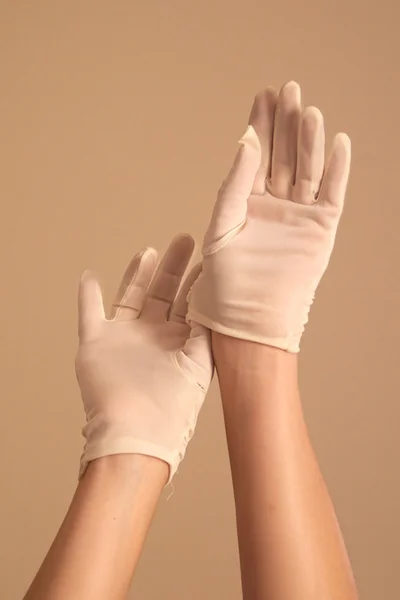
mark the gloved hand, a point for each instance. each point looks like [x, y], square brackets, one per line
[273, 226]
[143, 374]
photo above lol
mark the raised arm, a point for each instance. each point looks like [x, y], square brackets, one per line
[99, 543]
[289, 538]
[268, 244]
[143, 376]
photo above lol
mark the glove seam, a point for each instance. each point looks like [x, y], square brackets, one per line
[214, 247]
[284, 343]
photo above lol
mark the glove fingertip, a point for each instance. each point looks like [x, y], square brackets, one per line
[250, 139]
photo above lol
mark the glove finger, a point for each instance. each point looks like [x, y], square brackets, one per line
[262, 119]
[230, 210]
[180, 306]
[336, 176]
[165, 284]
[133, 287]
[310, 156]
[90, 306]
[284, 154]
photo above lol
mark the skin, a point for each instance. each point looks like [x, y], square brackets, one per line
[289, 538]
[99, 543]
[290, 542]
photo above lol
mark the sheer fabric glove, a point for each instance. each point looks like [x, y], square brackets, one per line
[274, 224]
[144, 373]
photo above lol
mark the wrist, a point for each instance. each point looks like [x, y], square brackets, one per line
[247, 357]
[134, 469]
[253, 376]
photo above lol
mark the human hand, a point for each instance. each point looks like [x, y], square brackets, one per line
[143, 373]
[274, 224]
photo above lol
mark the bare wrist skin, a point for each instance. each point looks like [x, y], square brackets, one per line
[247, 369]
[244, 359]
[106, 526]
[289, 539]
[133, 469]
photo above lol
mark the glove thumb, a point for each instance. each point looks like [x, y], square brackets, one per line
[230, 210]
[90, 306]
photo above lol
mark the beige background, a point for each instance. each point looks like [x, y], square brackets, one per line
[118, 121]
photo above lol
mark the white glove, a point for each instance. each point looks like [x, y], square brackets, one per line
[143, 374]
[273, 226]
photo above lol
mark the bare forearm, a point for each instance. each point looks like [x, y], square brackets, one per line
[290, 542]
[99, 543]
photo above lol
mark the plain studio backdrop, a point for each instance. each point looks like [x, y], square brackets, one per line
[118, 122]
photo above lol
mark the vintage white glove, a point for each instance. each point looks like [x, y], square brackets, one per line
[273, 226]
[143, 374]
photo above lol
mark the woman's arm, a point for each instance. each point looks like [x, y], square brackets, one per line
[289, 539]
[143, 376]
[99, 543]
[267, 247]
